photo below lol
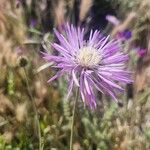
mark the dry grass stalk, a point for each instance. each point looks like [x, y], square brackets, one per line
[21, 112]
[8, 136]
[84, 8]
[143, 75]
[59, 13]
[6, 105]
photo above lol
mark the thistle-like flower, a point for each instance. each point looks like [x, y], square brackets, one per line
[96, 63]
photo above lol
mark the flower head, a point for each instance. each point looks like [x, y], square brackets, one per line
[96, 63]
[141, 52]
[126, 34]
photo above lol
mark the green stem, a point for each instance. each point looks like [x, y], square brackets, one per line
[35, 111]
[73, 118]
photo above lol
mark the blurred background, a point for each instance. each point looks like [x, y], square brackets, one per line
[26, 28]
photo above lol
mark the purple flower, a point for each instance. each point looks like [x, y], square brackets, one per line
[126, 34]
[96, 63]
[33, 22]
[141, 52]
[113, 20]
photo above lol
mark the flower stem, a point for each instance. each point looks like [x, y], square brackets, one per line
[73, 118]
[35, 111]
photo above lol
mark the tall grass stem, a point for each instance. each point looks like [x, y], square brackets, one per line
[73, 118]
[35, 110]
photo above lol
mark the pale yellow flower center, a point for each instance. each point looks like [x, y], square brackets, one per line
[88, 57]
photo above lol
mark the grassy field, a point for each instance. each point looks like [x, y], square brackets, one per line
[34, 114]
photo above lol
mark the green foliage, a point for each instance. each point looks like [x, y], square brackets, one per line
[97, 130]
[107, 128]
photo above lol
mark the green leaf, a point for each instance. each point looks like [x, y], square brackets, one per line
[33, 30]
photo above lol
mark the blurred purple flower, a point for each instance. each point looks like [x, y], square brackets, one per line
[141, 52]
[113, 20]
[33, 22]
[94, 63]
[126, 34]
[18, 2]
